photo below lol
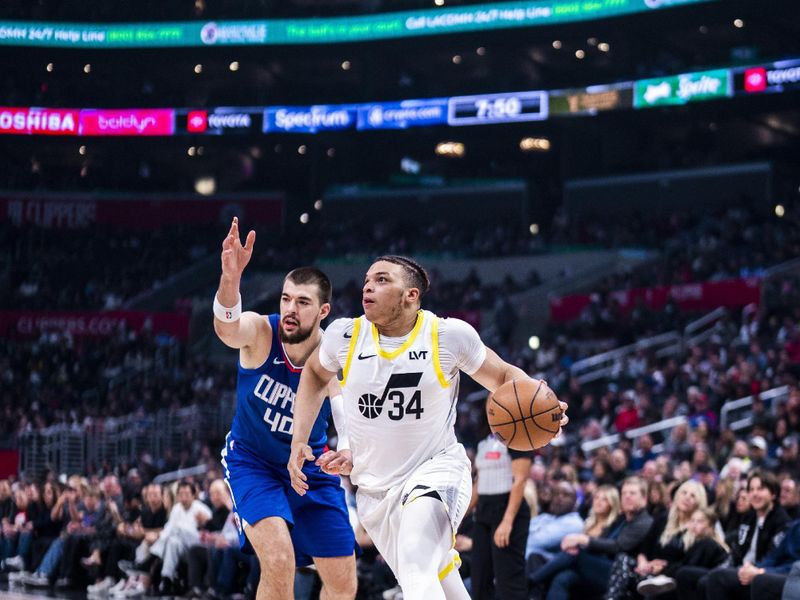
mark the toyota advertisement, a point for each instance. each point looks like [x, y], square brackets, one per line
[222, 121]
[771, 78]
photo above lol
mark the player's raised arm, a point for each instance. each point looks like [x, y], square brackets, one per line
[234, 328]
[307, 403]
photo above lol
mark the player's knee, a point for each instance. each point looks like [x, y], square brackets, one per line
[343, 586]
[275, 560]
[413, 562]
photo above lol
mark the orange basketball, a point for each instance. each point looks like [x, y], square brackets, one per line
[524, 414]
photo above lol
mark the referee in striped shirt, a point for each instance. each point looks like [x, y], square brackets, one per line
[502, 518]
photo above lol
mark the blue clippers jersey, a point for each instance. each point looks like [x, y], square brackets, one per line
[263, 423]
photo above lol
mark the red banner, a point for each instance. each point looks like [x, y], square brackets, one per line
[82, 211]
[140, 121]
[40, 121]
[731, 293]
[9, 463]
[91, 323]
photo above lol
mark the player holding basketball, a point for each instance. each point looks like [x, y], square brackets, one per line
[284, 529]
[400, 371]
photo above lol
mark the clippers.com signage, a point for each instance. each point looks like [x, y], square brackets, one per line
[39, 121]
[157, 121]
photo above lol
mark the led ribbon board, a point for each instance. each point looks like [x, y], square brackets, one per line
[395, 25]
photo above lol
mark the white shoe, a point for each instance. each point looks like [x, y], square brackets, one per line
[655, 586]
[101, 587]
[392, 594]
[135, 591]
[37, 580]
[15, 563]
[18, 577]
[118, 587]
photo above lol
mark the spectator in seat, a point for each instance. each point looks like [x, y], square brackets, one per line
[18, 530]
[703, 547]
[203, 557]
[790, 498]
[602, 516]
[764, 580]
[665, 544]
[619, 466]
[758, 454]
[81, 530]
[591, 571]
[180, 533]
[147, 530]
[759, 533]
[546, 530]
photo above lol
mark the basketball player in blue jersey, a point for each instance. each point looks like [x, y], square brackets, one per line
[285, 529]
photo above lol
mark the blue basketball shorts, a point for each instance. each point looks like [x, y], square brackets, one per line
[319, 522]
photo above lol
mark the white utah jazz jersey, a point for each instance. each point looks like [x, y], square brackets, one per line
[399, 393]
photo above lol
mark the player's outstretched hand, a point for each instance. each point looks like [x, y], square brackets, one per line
[235, 256]
[299, 455]
[564, 418]
[336, 462]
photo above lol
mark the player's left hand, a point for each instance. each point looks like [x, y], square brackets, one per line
[300, 454]
[564, 419]
[336, 462]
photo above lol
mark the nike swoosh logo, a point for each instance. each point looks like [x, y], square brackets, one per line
[348, 335]
[361, 357]
[275, 361]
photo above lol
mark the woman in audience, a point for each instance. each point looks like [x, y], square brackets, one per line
[18, 530]
[603, 514]
[703, 548]
[666, 541]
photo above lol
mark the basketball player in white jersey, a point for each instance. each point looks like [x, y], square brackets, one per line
[399, 377]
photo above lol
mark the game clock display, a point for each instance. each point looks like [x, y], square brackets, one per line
[497, 108]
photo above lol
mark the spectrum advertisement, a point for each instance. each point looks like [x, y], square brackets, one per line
[309, 119]
[499, 15]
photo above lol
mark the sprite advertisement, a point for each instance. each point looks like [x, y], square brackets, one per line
[683, 89]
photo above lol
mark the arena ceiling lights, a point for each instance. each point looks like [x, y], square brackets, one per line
[436, 21]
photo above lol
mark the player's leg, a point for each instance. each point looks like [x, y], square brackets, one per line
[452, 584]
[322, 532]
[262, 515]
[273, 545]
[338, 575]
[424, 541]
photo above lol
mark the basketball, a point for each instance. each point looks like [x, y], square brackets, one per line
[524, 414]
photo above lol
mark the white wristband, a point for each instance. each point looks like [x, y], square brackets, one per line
[227, 315]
